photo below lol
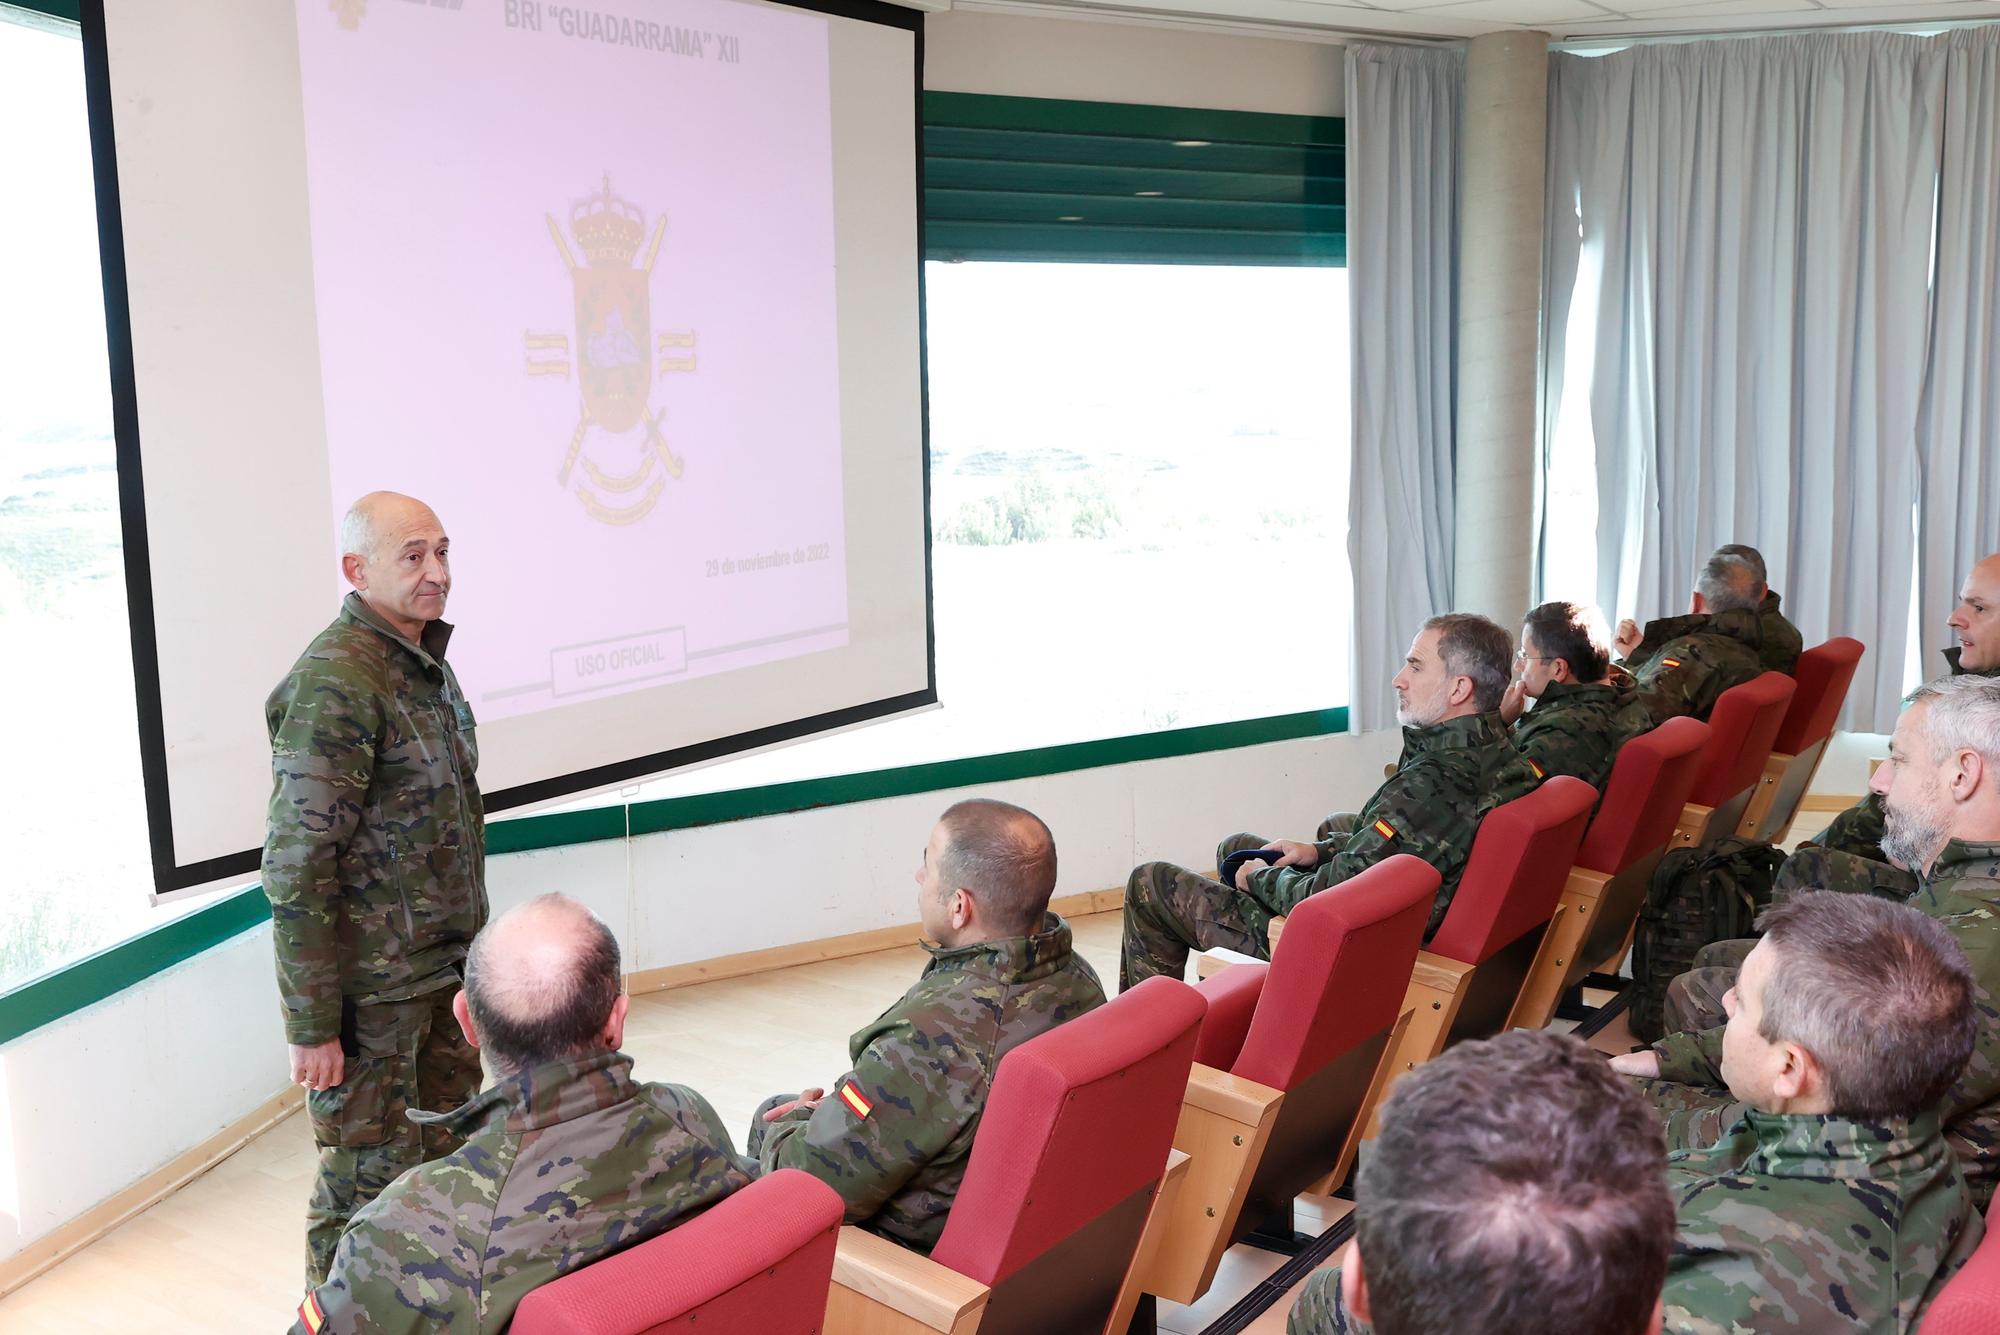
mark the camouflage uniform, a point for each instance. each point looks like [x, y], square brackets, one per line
[1576, 728]
[561, 1165]
[894, 1134]
[375, 868]
[1321, 1310]
[1782, 642]
[1962, 891]
[1450, 775]
[1816, 1223]
[1859, 829]
[1683, 664]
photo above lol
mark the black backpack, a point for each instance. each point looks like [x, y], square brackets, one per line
[1697, 897]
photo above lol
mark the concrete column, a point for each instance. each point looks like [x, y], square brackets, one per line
[1502, 185]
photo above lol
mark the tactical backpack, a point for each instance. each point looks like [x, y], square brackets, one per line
[1698, 896]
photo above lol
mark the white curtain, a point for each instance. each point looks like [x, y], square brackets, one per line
[1739, 254]
[1403, 111]
[1958, 436]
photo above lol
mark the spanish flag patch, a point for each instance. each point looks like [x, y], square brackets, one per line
[1671, 662]
[309, 1314]
[1539, 773]
[1385, 829]
[857, 1105]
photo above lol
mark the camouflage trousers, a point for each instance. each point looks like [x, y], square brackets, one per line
[1694, 999]
[754, 1142]
[1321, 1310]
[1171, 911]
[401, 1055]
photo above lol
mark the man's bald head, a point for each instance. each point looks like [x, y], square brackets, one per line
[542, 984]
[395, 553]
[1005, 856]
[379, 517]
[1975, 622]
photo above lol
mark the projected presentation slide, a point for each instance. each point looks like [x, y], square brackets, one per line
[574, 271]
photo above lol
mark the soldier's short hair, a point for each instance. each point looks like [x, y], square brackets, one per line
[1878, 992]
[1474, 646]
[1964, 715]
[526, 1015]
[1729, 583]
[1755, 558]
[1517, 1188]
[1005, 856]
[1565, 631]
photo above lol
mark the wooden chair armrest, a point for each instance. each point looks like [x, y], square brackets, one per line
[1437, 973]
[1224, 1123]
[882, 1288]
[1230, 1096]
[1172, 1181]
[1213, 961]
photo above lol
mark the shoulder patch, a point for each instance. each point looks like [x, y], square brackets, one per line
[857, 1105]
[1671, 662]
[1385, 829]
[309, 1314]
[1540, 773]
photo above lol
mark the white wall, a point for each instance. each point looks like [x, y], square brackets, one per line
[95, 1101]
[1112, 61]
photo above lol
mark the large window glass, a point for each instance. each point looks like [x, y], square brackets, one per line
[72, 808]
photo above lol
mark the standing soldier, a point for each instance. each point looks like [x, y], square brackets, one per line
[1582, 713]
[375, 865]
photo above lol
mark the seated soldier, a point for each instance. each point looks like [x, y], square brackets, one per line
[1684, 664]
[1458, 763]
[1942, 797]
[1515, 1190]
[1834, 1202]
[1975, 651]
[896, 1134]
[1782, 642]
[1580, 718]
[566, 1158]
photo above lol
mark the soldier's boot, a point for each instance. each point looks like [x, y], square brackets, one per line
[1337, 826]
[349, 1178]
[1170, 911]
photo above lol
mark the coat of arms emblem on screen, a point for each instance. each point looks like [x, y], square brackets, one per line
[617, 461]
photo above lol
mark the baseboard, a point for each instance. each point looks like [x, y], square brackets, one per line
[832, 948]
[72, 1237]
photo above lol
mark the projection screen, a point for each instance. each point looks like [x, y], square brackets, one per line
[629, 292]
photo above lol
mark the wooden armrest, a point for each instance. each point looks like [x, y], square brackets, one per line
[1151, 1238]
[880, 1286]
[1277, 926]
[1230, 1096]
[1213, 961]
[1585, 883]
[1437, 973]
[1224, 1123]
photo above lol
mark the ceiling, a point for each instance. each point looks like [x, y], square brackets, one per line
[1574, 20]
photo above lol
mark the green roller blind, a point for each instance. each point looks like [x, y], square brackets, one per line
[1022, 178]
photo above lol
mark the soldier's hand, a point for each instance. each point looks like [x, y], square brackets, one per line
[1626, 638]
[1295, 854]
[1514, 702]
[809, 1099]
[1645, 1065]
[318, 1066]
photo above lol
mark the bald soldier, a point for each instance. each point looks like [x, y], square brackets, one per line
[895, 1135]
[1684, 664]
[1458, 763]
[566, 1160]
[374, 863]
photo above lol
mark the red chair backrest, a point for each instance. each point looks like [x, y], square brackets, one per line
[1648, 787]
[1340, 971]
[1970, 1302]
[758, 1262]
[1741, 728]
[1520, 859]
[1823, 674]
[1079, 1120]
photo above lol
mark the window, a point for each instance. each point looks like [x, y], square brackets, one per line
[72, 809]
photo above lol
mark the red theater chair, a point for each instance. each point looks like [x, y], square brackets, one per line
[1066, 1169]
[1643, 800]
[1741, 728]
[1288, 1056]
[1970, 1303]
[1823, 675]
[756, 1263]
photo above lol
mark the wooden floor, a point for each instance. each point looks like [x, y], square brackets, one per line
[224, 1254]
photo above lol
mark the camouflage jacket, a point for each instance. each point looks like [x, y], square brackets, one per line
[1576, 729]
[563, 1164]
[374, 860]
[1808, 1223]
[1859, 829]
[894, 1134]
[1683, 664]
[1782, 642]
[1450, 775]
[1962, 891]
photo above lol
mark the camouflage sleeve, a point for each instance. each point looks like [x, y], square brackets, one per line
[323, 735]
[1321, 1310]
[1755, 1259]
[400, 1269]
[1672, 685]
[1407, 814]
[906, 1099]
[1856, 831]
[1692, 1059]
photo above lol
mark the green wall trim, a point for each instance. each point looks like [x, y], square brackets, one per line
[69, 10]
[1055, 115]
[110, 971]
